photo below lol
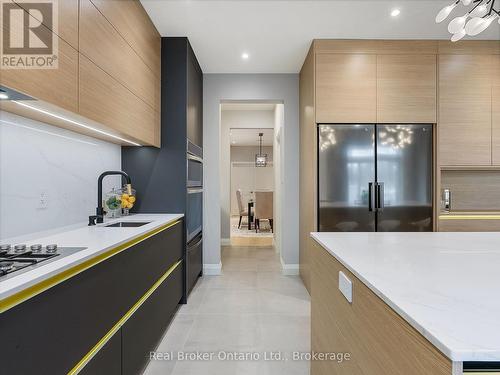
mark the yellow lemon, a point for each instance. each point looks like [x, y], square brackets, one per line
[125, 196]
[131, 199]
[130, 205]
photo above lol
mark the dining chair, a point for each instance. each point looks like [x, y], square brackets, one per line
[263, 208]
[241, 207]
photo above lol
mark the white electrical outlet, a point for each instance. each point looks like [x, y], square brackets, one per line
[43, 200]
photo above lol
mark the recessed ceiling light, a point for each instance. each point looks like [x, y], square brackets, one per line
[245, 56]
[395, 12]
[3, 95]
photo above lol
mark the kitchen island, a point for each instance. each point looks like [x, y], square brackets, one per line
[101, 309]
[421, 303]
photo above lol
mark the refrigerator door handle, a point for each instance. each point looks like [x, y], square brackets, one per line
[379, 199]
[370, 196]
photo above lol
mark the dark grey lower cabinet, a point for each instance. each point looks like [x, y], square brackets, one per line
[194, 261]
[108, 360]
[143, 331]
[51, 332]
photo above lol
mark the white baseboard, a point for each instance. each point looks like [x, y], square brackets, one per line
[225, 242]
[210, 269]
[289, 269]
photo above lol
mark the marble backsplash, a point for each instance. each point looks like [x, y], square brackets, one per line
[48, 175]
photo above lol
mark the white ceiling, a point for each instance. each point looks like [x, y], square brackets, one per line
[250, 137]
[277, 33]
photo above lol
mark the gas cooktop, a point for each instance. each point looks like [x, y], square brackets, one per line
[20, 258]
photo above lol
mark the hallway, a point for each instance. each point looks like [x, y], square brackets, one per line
[251, 308]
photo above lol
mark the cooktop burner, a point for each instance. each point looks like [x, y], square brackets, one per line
[19, 257]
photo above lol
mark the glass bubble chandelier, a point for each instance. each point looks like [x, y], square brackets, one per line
[480, 15]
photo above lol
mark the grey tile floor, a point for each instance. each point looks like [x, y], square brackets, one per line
[251, 308]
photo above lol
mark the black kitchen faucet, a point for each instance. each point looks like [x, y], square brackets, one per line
[99, 216]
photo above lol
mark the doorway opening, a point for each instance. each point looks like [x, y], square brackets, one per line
[251, 173]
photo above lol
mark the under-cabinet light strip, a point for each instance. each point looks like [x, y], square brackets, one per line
[77, 123]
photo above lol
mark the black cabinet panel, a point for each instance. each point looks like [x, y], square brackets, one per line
[108, 360]
[142, 332]
[194, 99]
[51, 332]
[195, 262]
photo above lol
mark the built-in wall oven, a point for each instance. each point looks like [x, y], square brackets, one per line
[194, 171]
[194, 214]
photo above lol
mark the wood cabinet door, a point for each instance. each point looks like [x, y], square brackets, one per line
[57, 86]
[346, 88]
[465, 109]
[406, 89]
[105, 47]
[133, 23]
[496, 112]
[67, 20]
[107, 101]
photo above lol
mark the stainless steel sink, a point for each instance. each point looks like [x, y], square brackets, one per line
[127, 224]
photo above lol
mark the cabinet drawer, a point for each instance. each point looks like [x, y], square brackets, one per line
[107, 101]
[195, 263]
[108, 360]
[142, 332]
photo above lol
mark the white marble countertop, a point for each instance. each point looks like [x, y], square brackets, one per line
[96, 239]
[445, 285]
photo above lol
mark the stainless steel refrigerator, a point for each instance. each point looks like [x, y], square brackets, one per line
[375, 178]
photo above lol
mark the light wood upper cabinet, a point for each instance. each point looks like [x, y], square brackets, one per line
[56, 86]
[465, 109]
[496, 112]
[106, 48]
[346, 88]
[406, 88]
[133, 23]
[107, 101]
[67, 20]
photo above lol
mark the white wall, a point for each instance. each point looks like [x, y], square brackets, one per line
[37, 158]
[282, 88]
[279, 118]
[233, 120]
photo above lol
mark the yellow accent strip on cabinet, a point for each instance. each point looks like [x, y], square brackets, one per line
[469, 217]
[80, 365]
[16, 299]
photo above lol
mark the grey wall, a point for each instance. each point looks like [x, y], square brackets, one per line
[259, 87]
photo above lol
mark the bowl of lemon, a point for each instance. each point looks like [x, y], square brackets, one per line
[128, 199]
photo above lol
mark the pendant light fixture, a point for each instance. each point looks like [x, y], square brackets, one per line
[260, 158]
[480, 15]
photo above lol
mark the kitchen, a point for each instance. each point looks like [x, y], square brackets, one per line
[110, 204]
